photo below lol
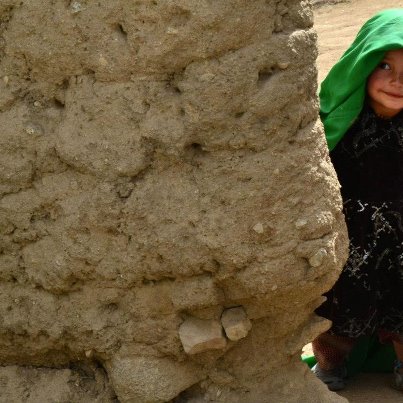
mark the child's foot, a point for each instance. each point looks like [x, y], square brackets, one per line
[334, 378]
[398, 375]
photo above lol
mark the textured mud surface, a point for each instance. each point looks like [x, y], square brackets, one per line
[161, 162]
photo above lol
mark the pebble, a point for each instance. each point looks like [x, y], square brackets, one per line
[199, 335]
[236, 323]
[172, 31]
[317, 259]
[283, 66]
[301, 223]
[33, 129]
[258, 228]
[76, 7]
[89, 353]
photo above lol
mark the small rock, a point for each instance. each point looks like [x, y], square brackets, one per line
[258, 228]
[102, 61]
[236, 323]
[301, 223]
[33, 129]
[283, 66]
[89, 353]
[76, 7]
[317, 259]
[5, 80]
[199, 335]
[172, 31]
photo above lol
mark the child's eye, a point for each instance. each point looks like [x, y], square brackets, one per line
[384, 66]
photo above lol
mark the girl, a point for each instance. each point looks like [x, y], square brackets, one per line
[361, 103]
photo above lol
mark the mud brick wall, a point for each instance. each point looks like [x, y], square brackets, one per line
[169, 216]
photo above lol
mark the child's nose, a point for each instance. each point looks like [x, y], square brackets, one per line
[398, 77]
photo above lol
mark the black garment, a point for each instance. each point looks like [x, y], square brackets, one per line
[369, 293]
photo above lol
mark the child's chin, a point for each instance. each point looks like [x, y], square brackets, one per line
[393, 105]
[396, 108]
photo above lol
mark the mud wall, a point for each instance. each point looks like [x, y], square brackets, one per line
[161, 163]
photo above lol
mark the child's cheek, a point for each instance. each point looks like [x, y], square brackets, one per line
[375, 81]
[373, 84]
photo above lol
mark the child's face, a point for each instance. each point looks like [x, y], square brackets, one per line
[385, 85]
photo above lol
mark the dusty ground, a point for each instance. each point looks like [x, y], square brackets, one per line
[337, 26]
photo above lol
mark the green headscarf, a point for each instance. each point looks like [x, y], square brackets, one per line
[343, 91]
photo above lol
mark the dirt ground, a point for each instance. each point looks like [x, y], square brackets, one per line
[337, 25]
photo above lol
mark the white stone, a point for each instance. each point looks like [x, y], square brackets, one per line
[33, 129]
[199, 335]
[283, 66]
[172, 31]
[301, 223]
[317, 259]
[76, 7]
[258, 228]
[236, 323]
[89, 353]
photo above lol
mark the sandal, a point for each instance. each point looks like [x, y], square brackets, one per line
[398, 375]
[334, 378]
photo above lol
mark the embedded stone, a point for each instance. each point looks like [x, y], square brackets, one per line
[198, 335]
[139, 379]
[258, 228]
[317, 259]
[301, 223]
[236, 323]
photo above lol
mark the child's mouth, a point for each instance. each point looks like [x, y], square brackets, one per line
[394, 95]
